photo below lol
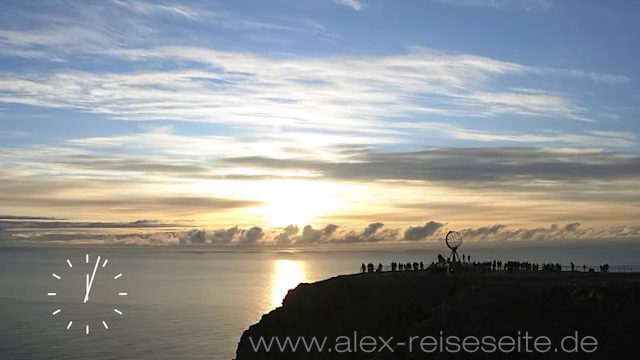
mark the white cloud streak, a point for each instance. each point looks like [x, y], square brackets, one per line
[149, 8]
[338, 93]
[81, 28]
[354, 4]
[589, 138]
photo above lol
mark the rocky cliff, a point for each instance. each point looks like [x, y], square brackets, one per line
[393, 308]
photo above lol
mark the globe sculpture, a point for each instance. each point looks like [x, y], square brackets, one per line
[454, 240]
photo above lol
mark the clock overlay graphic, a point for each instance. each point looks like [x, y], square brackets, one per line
[90, 277]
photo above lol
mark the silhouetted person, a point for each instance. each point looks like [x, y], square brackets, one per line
[370, 267]
[584, 268]
[573, 267]
[380, 267]
[421, 266]
[401, 267]
[408, 267]
[363, 268]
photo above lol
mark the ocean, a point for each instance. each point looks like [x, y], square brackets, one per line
[191, 302]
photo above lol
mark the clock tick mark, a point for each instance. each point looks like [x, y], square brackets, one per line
[55, 312]
[105, 263]
[123, 294]
[69, 326]
[69, 262]
[56, 276]
[117, 277]
[87, 258]
[118, 311]
[105, 325]
[87, 330]
[51, 294]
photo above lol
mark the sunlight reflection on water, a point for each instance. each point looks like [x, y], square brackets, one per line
[286, 275]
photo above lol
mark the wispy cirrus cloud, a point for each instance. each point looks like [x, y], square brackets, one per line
[354, 4]
[81, 28]
[210, 85]
[612, 79]
[151, 8]
[339, 92]
[584, 139]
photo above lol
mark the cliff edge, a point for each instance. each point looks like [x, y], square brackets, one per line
[570, 307]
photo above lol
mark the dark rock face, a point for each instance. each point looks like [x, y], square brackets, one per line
[405, 305]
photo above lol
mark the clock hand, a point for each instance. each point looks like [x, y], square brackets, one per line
[86, 297]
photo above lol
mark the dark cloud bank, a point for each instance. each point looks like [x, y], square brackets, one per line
[293, 235]
[376, 232]
[14, 217]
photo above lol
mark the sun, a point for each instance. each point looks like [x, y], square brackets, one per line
[283, 212]
[298, 202]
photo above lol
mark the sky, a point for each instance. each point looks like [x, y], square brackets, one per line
[318, 121]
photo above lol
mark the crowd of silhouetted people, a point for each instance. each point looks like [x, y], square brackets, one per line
[603, 268]
[464, 264]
